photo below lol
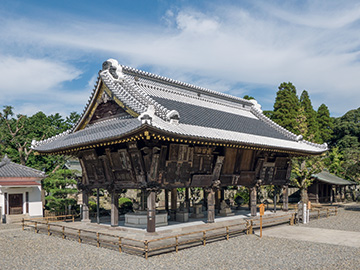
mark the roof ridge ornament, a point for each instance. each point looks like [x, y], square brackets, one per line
[114, 69]
[173, 116]
[147, 116]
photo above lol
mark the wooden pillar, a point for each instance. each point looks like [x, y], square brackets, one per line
[210, 205]
[253, 201]
[98, 206]
[27, 202]
[217, 200]
[151, 211]
[173, 204]
[317, 192]
[285, 198]
[187, 199]
[166, 201]
[275, 198]
[205, 198]
[332, 194]
[114, 209]
[85, 207]
[143, 206]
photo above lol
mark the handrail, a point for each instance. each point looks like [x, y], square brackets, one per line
[145, 247]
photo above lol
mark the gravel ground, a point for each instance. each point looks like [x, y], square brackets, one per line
[348, 219]
[27, 250]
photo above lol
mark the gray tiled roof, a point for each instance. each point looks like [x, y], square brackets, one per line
[105, 130]
[330, 178]
[203, 113]
[10, 169]
[208, 117]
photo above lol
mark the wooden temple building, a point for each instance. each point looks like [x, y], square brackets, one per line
[328, 188]
[147, 132]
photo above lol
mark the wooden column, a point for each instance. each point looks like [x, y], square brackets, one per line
[285, 198]
[317, 191]
[210, 205]
[151, 211]
[332, 194]
[205, 198]
[253, 201]
[217, 200]
[187, 199]
[97, 206]
[166, 200]
[275, 198]
[173, 204]
[27, 202]
[114, 209]
[6, 203]
[85, 207]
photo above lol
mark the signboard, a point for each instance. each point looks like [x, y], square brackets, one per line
[262, 209]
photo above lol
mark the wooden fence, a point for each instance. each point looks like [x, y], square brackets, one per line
[161, 245]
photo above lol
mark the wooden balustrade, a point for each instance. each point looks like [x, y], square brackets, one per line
[163, 244]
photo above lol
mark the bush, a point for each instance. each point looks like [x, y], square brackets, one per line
[242, 196]
[125, 205]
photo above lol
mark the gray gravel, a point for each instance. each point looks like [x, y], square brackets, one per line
[27, 250]
[348, 219]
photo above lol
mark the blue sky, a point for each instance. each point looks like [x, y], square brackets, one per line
[51, 51]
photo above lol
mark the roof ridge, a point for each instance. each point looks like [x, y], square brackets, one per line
[184, 84]
[137, 99]
[188, 95]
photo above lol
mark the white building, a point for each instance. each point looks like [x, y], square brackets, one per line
[20, 190]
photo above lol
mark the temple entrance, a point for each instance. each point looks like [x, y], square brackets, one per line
[15, 204]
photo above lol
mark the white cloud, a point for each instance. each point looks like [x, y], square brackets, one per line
[32, 76]
[316, 46]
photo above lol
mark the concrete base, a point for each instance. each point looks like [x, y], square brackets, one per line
[226, 213]
[139, 220]
[197, 211]
[182, 216]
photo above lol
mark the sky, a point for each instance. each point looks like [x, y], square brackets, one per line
[51, 51]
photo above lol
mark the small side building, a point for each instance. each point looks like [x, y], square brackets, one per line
[20, 191]
[328, 188]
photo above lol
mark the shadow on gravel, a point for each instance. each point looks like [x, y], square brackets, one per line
[352, 208]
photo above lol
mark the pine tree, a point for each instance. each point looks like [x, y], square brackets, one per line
[312, 133]
[286, 107]
[326, 123]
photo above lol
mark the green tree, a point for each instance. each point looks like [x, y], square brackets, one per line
[247, 97]
[302, 170]
[286, 107]
[312, 133]
[347, 130]
[59, 187]
[326, 123]
[334, 162]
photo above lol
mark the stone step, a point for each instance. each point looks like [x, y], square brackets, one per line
[15, 218]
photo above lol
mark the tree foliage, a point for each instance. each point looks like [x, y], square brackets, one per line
[16, 135]
[59, 186]
[286, 107]
[326, 123]
[312, 133]
[302, 170]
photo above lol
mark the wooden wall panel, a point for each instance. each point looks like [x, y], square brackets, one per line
[230, 160]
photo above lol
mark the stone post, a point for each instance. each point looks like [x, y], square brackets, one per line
[253, 201]
[286, 198]
[114, 209]
[85, 207]
[151, 211]
[210, 205]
